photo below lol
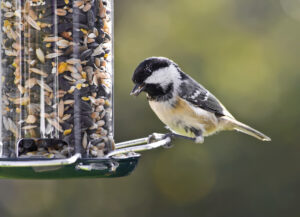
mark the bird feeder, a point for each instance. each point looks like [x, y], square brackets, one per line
[57, 92]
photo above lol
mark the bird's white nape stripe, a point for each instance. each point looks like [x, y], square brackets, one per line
[164, 76]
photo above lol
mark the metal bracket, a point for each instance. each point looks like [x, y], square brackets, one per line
[137, 144]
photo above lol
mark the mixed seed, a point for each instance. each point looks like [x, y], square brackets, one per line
[56, 64]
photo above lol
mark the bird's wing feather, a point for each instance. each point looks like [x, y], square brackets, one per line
[197, 95]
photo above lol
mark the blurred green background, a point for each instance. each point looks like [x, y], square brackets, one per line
[247, 53]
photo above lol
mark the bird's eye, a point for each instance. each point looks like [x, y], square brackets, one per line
[147, 69]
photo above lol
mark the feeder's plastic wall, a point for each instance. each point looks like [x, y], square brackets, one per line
[56, 78]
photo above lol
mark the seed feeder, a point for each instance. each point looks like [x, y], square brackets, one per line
[57, 92]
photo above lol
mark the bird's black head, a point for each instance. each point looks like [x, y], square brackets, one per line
[156, 77]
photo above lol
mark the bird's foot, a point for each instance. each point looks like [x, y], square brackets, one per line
[168, 135]
[199, 139]
[180, 136]
[168, 128]
[154, 137]
[198, 135]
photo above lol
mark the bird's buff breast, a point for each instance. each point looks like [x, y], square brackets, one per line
[180, 117]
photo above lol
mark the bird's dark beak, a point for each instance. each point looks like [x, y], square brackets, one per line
[138, 88]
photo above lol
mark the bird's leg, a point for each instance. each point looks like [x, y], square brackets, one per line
[157, 136]
[198, 134]
[179, 136]
[199, 139]
[170, 135]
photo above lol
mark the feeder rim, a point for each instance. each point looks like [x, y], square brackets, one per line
[39, 162]
[124, 150]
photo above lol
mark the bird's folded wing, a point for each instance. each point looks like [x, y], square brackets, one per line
[197, 95]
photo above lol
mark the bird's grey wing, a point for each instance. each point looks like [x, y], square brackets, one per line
[197, 95]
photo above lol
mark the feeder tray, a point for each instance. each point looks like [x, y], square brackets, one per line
[120, 162]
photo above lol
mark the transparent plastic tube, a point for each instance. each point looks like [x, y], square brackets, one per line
[57, 78]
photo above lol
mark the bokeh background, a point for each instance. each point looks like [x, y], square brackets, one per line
[247, 53]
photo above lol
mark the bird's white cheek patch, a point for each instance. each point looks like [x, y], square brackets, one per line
[164, 76]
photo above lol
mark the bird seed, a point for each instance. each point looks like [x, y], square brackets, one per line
[56, 64]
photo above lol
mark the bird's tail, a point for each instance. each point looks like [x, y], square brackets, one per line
[232, 124]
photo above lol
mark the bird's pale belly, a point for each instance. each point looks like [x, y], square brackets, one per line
[182, 117]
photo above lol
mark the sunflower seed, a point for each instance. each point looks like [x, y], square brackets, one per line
[63, 43]
[102, 12]
[38, 71]
[8, 4]
[32, 23]
[33, 109]
[32, 15]
[99, 50]
[74, 61]
[53, 55]
[40, 55]
[12, 127]
[21, 89]
[87, 7]
[10, 53]
[101, 123]
[30, 83]
[31, 119]
[44, 86]
[78, 3]
[55, 124]
[61, 12]
[9, 14]
[76, 75]
[52, 39]
[68, 102]
[86, 54]
[61, 108]
[22, 101]
[5, 123]
[84, 140]
[28, 127]
[66, 117]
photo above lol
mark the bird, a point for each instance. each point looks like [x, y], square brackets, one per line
[186, 107]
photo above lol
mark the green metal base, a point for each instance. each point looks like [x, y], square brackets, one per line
[82, 168]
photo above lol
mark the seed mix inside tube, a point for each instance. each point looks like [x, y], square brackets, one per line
[56, 87]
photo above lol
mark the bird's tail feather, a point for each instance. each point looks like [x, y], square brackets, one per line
[239, 126]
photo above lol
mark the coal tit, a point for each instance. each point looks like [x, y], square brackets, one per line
[181, 103]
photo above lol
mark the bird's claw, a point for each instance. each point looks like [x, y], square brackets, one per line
[168, 135]
[199, 139]
[154, 137]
